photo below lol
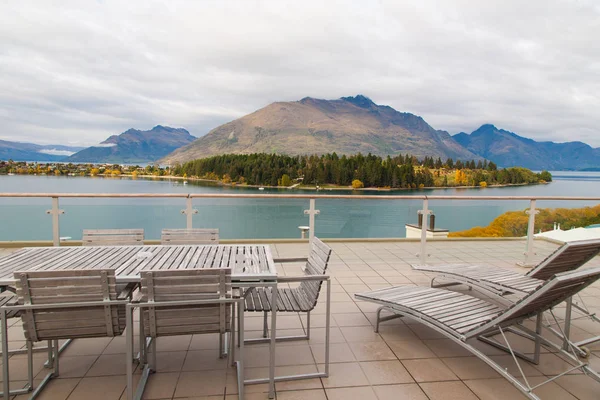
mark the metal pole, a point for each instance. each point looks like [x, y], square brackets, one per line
[567, 330]
[55, 212]
[311, 212]
[274, 300]
[189, 212]
[425, 212]
[5, 374]
[529, 251]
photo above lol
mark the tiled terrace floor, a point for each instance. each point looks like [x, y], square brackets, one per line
[404, 361]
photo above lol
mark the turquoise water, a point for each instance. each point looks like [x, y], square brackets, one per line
[26, 219]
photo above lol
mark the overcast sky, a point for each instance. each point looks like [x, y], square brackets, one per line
[76, 72]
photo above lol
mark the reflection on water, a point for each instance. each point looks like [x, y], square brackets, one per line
[25, 219]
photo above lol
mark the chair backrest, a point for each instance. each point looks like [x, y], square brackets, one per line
[113, 237]
[318, 260]
[552, 292]
[189, 236]
[568, 257]
[186, 285]
[69, 288]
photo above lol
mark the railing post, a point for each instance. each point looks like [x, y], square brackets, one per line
[311, 212]
[189, 212]
[55, 212]
[529, 253]
[425, 212]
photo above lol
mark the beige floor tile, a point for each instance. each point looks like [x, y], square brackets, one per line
[424, 332]
[108, 364]
[56, 389]
[446, 348]
[362, 392]
[76, 367]
[207, 341]
[344, 375]
[354, 319]
[494, 389]
[99, 388]
[470, 368]
[385, 372]
[407, 391]
[18, 367]
[301, 384]
[312, 394]
[201, 383]
[173, 343]
[170, 361]
[448, 391]
[583, 387]
[338, 352]
[293, 355]
[203, 360]
[429, 370]
[372, 351]
[317, 335]
[396, 333]
[360, 334]
[84, 347]
[551, 364]
[409, 349]
[161, 385]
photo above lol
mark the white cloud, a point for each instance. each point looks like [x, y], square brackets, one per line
[79, 72]
[104, 145]
[56, 152]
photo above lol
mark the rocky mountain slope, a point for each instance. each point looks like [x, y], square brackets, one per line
[135, 146]
[312, 126]
[509, 149]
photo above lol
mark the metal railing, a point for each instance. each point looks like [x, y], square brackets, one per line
[312, 211]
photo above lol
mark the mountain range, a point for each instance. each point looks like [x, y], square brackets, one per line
[135, 146]
[18, 151]
[509, 149]
[313, 126]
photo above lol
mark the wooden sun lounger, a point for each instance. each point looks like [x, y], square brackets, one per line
[461, 317]
[498, 281]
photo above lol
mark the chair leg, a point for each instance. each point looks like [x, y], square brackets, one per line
[239, 322]
[265, 325]
[308, 325]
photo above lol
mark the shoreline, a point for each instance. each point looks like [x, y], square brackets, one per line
[308, 188]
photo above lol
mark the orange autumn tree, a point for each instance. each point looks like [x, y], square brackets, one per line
[514, 223]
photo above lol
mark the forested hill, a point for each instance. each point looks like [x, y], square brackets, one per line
[357, 170]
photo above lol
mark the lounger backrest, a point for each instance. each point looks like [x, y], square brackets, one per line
[189, 236]
[186, 285]
[318, 259]
[551, 293]
[113, 237]
[69, 288]
[568, 257]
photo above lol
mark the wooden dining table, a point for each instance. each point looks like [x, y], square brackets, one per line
[251, 266]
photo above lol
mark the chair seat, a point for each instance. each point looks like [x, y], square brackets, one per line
[288, 300]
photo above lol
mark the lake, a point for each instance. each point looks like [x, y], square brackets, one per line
[25, 219]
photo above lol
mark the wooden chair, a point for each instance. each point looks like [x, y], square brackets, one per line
[183, 302]
[299, 299]
[461, 317]
[113, 237]
[189, 236]
[57, 305]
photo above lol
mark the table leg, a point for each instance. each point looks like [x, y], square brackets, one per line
[274, 299]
